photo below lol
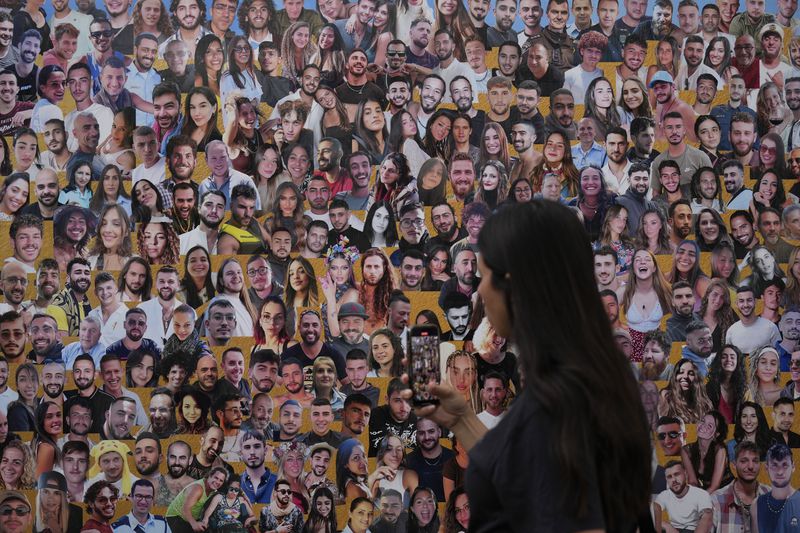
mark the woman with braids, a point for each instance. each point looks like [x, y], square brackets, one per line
[565, 445]
[727, 382]
[684, 396]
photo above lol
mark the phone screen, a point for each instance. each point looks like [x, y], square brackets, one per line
[424, 366]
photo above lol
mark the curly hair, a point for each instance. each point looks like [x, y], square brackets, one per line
[181, 359]
[718, 378]
[380, 190]
[164, 24]
[593, 39]
[242, 13]
[173, 8]
[27, 480]
[689, 406]
[171, 253]
[379, 306]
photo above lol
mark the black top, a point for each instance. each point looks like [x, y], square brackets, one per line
[514, 483]
[327, 350]
[23, 22]
[382, 424]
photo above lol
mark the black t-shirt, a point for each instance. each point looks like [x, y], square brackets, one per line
[476, 123]
[327, 350]
[185, 82]
[507, 366]
[27, 85]
[349, 96]
[430, 475]
[101, 402]
[381, 424]
[514, 483]
[355, 238]
[123, 41]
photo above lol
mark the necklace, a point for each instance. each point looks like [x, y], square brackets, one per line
[769, 505]
[435, 461]
[359, 91]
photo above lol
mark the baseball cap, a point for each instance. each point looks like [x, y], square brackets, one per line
[661, 77]
[352, 309]
[10, 495]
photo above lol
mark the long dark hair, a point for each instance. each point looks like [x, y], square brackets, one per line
[391, 231]
[200, 54]
[187, 284]
[576, 393]
[236, 73]
[189, 125]
[716, 376]
[315, 519]
[763, 433]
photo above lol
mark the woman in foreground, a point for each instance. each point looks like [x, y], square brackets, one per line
[577, 428]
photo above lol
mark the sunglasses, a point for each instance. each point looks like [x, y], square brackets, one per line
[20, 511]
[795, 160]
[671, 434]
[283, 491]
[104, 33]
[396, 54]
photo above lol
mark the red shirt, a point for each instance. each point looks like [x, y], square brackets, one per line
[751, 74]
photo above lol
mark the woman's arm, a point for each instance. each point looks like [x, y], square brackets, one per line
[720, 464]
[381, 46]
[45, 458]
[192, 497]
[449, 486]
[211, 507]
[410, 479]
[691, 475]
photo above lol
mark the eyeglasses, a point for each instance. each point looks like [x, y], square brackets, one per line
[671, 434]
[794, 160]
[396, 54]
[263, 271]
[241, 49]
[143, 497]
[412, 222]
[283, 491]
[136, 322]
[106, 34]
[14, 281]
[20, 511]
[102, 500]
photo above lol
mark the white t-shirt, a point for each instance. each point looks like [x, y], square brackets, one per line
[155, 174]
[489, 420]
[576, 80]
[684, 513]
[456, 68]
[748, 339]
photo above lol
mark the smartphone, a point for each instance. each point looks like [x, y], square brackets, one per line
[424, 364]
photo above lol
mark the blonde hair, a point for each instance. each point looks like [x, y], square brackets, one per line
[474, 396]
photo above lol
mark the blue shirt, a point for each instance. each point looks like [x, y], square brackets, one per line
[702, 365]
[595, 156]
[234, 178]
[724, 114]
[784, 357]
[73, 350]
[264, 492]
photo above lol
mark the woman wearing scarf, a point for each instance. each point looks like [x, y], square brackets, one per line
[186, 338]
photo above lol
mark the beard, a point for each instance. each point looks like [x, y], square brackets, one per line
[651, 371]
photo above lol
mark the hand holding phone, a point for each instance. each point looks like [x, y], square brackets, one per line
[423, 364]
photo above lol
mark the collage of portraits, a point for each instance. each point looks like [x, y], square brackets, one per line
[225, 216]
